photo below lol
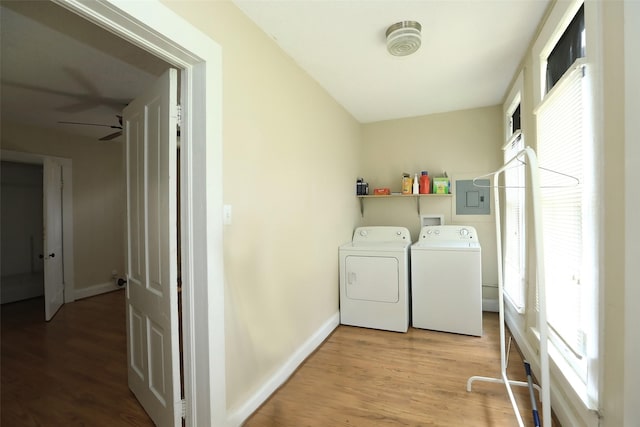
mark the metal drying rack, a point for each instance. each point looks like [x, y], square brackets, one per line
[544, 387]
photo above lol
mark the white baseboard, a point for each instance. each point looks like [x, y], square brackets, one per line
[91, 291]
[240, 415]
[489, 304]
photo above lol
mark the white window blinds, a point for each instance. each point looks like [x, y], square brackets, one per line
[514, 252]
[565, 146]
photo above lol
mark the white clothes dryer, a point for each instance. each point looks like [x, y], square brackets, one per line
[446, 280]
[374, 279]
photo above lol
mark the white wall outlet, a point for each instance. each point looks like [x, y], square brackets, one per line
[226, 214]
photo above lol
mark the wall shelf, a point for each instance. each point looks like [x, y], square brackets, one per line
[398, 195]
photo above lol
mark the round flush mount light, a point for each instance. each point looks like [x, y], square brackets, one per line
[403, 38]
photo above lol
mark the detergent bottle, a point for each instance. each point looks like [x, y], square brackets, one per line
[406, 183]
[425, 183]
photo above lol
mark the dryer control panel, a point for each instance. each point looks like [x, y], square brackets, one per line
[449, 233]
[382, 234]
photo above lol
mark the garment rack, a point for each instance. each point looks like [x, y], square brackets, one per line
[544, 388]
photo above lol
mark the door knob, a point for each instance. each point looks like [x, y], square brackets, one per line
[121, 282]
[51, 255]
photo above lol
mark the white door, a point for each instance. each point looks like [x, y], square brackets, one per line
[53, 256]
[152, 304]
[373, 278]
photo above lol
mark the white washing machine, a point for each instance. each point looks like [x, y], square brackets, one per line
[374, 279]
[446, 280]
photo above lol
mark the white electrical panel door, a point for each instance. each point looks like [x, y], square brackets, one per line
[372, 278]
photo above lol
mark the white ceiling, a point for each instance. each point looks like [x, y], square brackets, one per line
[58, 67]
[469, 54]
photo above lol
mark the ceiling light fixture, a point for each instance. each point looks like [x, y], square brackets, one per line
[403, 38]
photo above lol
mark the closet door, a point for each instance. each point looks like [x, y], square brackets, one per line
[52, 217]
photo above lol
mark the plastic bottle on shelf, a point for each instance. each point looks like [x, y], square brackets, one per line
[416, 184]
[425, 183]
[406, 183]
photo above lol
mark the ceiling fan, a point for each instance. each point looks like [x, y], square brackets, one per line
[104, 138]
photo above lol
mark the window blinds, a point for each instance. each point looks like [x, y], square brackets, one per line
[514, 252]
[562, 145]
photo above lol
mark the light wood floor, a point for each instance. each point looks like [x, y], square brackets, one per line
[71, 371]
[364, 377]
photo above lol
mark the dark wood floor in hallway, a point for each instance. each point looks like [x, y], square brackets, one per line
[71, 371]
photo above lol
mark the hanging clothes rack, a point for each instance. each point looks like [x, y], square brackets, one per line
[544, 388]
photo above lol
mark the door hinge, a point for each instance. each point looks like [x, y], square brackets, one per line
[179, 114]
[183, 406]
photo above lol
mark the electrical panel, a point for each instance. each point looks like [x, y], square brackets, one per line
[472, 199]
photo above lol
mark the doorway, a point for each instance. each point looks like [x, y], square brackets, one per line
[201, 187]
[29, 161]
[22, 249]
[199, 58]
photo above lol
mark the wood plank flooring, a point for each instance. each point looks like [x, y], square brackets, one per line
[365, 377]
[71, 371]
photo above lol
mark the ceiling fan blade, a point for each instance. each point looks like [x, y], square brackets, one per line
[111, 136]
[90, 124]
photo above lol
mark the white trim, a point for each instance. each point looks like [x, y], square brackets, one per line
[99, 289]
[555, 25]
[239, 416]
[632, 206]
[490, 304]
[154, 27]
[513, 99]
[67, 211]
[559, 18]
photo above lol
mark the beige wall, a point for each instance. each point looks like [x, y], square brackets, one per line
[465, 144]
[98, 197]
[290, 164]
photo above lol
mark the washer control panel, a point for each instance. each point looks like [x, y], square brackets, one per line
[449, 233]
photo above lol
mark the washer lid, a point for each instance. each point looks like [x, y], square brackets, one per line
[446, 245]
[448, 233]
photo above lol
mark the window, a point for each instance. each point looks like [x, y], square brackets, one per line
[570, 47]
[566, 150]
[514, 223]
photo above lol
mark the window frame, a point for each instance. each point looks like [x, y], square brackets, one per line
[513, 101]
[557, 21]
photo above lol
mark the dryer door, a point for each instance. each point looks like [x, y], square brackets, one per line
[372, 278]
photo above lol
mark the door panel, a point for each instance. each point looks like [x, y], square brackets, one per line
[152, 306]
[371, 278]
[53, 256]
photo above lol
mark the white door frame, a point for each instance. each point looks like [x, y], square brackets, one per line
[632, 204]
[67, 211]
[152, 26]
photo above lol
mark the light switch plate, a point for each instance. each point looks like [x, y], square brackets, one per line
[226, 214]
